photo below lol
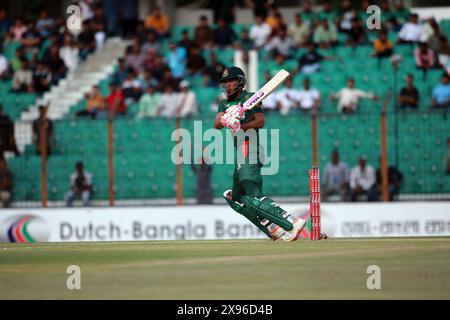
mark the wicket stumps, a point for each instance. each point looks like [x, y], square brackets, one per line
[314, 203]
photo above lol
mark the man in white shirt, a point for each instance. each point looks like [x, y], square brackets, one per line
[168, 104]
[69, 53]
[187, 101]
[308, 97]
[362, 180]
[411, 31]
[287, 98]
[271, 102]
[80, 185]
[349, 97]
[260, 32]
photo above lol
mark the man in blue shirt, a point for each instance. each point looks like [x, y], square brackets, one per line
[441, 93]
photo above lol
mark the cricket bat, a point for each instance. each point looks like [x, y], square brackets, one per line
[266, 90]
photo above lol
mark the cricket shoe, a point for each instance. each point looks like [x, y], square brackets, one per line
[277, 233]
[297, 227]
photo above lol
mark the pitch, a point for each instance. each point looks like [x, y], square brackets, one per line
[411, 268]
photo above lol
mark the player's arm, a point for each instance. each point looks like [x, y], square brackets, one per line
[217, 123]
[256, 123]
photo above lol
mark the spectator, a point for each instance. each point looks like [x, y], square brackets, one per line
[195, 62]
[151, 43]
[16, 61]
[224, 35]
[158, 22]
[411, 31]
[56, 64]
[23, 79]
[131, 88]
[7, 139]
[31, 39]
[336, 178]
[86, 40]
[443, 52]
[349, 97]
[5, 184]
[325, 35]
[441, 93]
[115, 102]
[203, 34]
[202, 172]
[409, 95]
[309, 62]
[347, 14]
[280, 43]
[260, 32]
[307, 11]
[424, 58]
[147, 79]
[357, 34]
[245, 43]
[431, 33]
[328, 12]
[275, 19]
[287, 98]
[382, 46]
[362, 181]
[43, 125]
[99, 23]
[121, 73]
[167, 79]
[44, 25]
[135, 59]
[5, 24]
[168, 103]
[308, 98]
[401, 13]
[128, 18]
[185, 41]
[149, 102]
[395, 179]
[17, 30]
[80, 185]
[187, 101]
[176, 59]
[299, 32]
[41, 77]
[95, 104]
[69, 53]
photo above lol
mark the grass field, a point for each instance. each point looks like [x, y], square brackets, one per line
[414, 268]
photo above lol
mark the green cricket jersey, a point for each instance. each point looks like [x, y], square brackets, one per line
[246, 171]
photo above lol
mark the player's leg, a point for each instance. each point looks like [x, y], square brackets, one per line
[267, 209]
[246, 212]
[233, 197]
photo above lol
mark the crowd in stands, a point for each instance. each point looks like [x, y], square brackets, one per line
[361, 182]
[147, 64]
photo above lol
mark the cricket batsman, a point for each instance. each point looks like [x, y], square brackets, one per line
[246, 196]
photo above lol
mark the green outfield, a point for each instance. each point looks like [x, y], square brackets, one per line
[413, 268]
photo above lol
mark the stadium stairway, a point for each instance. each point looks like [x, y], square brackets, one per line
[71, 89]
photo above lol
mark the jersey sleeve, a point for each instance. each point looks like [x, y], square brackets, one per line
[221, 107]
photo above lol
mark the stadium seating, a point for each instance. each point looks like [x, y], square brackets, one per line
[142, 152]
